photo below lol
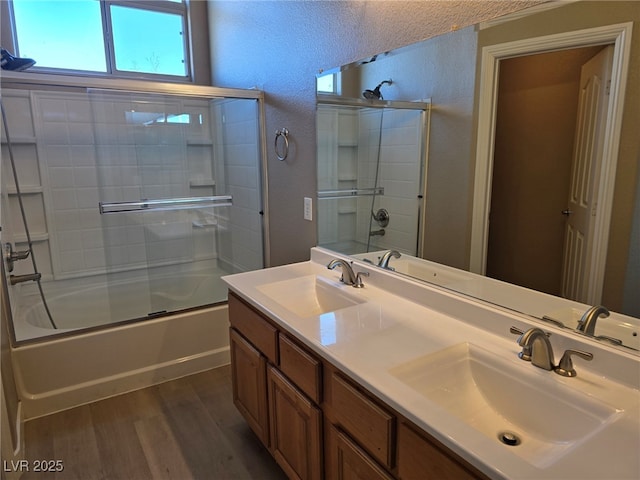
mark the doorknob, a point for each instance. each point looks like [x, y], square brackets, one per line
[566, 212]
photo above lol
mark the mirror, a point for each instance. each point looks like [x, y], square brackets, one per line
[506, 142]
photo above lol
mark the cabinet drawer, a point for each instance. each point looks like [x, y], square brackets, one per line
[254, 327]
[368, 423]
[348, 461]
[302, 368]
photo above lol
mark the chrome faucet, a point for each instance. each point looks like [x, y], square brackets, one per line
[587, 323]
[536, 348]
[384, 260]
[13, 279]
[349, 277]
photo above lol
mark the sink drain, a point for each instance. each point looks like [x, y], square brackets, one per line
[509, 438]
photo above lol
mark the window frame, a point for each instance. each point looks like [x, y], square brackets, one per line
[162, 6]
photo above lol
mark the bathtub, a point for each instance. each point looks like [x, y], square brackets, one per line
[66, 370]
[103, 300]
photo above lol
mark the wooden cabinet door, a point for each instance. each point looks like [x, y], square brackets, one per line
[249, 381]
[295, 429]
[422, 459]
[349, 461]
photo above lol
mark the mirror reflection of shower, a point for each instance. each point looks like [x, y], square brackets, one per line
[380, 232]
[371, 164]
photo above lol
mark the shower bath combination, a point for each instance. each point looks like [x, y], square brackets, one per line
[9, 254]
[165, 256]
[375, 94]
[379, 181]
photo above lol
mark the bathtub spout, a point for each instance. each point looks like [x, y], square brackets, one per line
[13, 279]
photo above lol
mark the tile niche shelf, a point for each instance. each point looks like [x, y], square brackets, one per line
[202, 183]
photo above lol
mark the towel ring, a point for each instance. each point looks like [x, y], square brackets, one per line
[284, 133]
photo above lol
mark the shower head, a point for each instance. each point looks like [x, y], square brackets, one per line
[375, 94]
[17, 64]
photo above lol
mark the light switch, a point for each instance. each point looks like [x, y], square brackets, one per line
[308, 209]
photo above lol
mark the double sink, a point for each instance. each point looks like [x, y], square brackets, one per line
[450, 365]
[512, 403]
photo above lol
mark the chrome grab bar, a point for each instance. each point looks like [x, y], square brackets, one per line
[351, 192]
[162, 204]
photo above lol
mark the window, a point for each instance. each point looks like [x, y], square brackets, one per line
[120, 38]
[328, 83]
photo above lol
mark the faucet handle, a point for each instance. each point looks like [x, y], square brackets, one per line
[565, 367]
[517, 331]
[359, 283]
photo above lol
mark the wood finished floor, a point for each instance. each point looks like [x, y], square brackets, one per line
[182, 429]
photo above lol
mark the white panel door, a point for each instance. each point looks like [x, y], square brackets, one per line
[585, 173]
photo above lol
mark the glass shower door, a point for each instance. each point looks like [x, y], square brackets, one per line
[371, 168]
[393, 166]
[166, 201]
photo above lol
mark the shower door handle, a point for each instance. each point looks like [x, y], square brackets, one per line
[163, 204]
[351, 192]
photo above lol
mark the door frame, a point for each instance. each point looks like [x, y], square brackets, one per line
[620, 36]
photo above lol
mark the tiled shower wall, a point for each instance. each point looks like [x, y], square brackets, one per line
[399, 172]
[76, 149]
[348, 144]
[22, 132]
[240, 246]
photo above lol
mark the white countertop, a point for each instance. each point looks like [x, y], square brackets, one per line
[401, 320]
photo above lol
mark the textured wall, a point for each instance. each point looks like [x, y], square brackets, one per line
[279, 47]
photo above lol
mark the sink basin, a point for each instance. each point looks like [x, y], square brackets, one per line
[493, 396]
[310, 295]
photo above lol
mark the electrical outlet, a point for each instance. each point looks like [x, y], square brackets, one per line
[308, 209]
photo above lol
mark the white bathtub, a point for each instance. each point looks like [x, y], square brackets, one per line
[63, 371]
[103, 300]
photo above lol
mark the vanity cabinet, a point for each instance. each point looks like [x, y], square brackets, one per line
[316, 421]
[295, 428]
[275, 385]
[249, 379]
